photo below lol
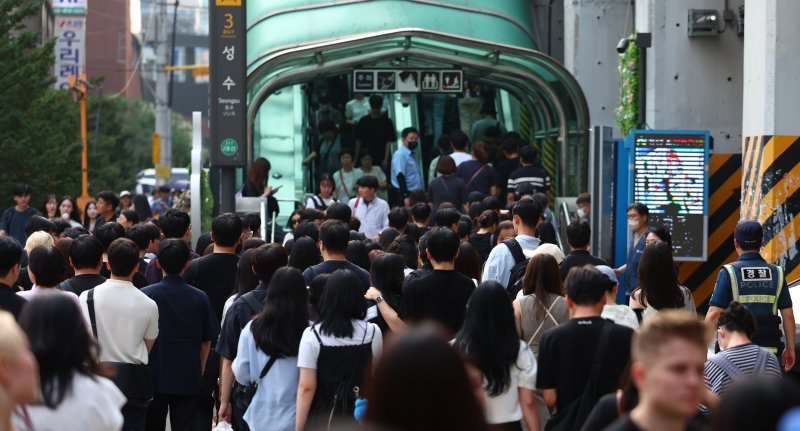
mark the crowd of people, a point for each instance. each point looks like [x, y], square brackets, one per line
[451, 309]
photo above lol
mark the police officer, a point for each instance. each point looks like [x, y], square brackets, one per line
[761, 287]
[638, 223]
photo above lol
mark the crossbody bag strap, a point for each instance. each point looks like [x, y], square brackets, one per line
[474, 176]
[546, 310]
[726, 365]
[344, 184]
[761, 360]
[90, 306]
[599, 354]
[267, 366]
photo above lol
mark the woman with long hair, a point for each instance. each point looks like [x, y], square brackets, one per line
[50, 207]
[357, 254]
[256, 184]
[72, 392]
[69, 211]
[467, 262]
[386, 277]
[20, 380]
[542, 305]
[90, 216]
[478, 174]
[305, 253]
[658, 283]
[508, 366]
[142, 208]
[335, 353]
[267, 353]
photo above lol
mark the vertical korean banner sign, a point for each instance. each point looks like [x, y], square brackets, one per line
[70, 33]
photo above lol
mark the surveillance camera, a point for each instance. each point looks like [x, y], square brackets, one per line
[622, 46]
[405, 99]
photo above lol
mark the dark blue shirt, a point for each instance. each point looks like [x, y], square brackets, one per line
[238, 315]
[723, 294]
[631, 275]
[185, 321]
[482, 175]
[329, 266]
[13, 222]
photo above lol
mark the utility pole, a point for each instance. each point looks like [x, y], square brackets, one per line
[80, 86]
[163, 111]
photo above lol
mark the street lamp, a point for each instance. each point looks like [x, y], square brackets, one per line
[79, 88]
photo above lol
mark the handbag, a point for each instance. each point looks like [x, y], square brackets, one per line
[246, 393]
[135, 381]
[575, 414]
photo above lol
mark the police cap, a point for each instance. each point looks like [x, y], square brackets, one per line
[748, 234]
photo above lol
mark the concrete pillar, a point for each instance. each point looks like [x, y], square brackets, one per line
[592, 29]
[770, 130]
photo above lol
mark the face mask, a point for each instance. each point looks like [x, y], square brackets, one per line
[412, 145]
[581, 213]
[633, 224]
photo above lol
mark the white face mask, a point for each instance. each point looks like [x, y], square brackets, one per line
[581, 213]
[633, 224]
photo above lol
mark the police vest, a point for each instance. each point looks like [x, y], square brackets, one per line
[758, 285]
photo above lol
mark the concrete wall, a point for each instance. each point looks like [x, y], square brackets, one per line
[548, 19]
[592, 29]
[693, 83]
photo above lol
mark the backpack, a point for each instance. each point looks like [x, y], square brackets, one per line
[518, 270]
[319, 203]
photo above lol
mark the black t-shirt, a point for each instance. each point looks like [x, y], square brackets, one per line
[441, 296]
[603, 414]
[329, 266]
[579, 258]
[374, 133]
[139, 279]
[82, 283]
[482, 175]
[531, 174]
[566, 353]
[626, 424]
[416, 274]
[504, 167]
[214, 274]
[415, 231]
[10, 301]
[483, 245]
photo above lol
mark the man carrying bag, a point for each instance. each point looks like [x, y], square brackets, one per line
[125, 322]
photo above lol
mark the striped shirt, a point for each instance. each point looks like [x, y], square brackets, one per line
[531, 174]
[744, 357]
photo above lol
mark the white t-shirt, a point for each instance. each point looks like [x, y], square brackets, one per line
[505, 407]
[93, 404]
[688, 302]
[311, 204]
[460, 157]
[309, 345]
[125, 318]
[345, 193]
[621, 315]
[377, 172]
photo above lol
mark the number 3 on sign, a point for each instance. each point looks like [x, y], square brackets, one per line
[228, 20]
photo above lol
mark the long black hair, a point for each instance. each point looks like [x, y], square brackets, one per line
[62, 345]
[357, 254]
[342, 300]
[73, 215]
[386, 274]
[489, 335]
[657, 278]
[246, 281]
[277, 329]
[305, 253]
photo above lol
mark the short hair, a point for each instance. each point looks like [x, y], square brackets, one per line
[38, 223]
[138, 234]
[36, 239]
[48, 265]
[443, 143]
[130, 215]
[153, 230]
[346, 150]
[543, 200]
[10, 254]
[420, 212]
[446, 217]
[61, 225]
[398, 218]
[529, 212]
[172, 255]
[375, 101]
[510, 145]
[583, 198]
[21, 190]
[110, 197]
[527, 154]
[578, 233]
[108, 233]
[480, 152]
[123, 255]
[334, 236]
[659, 328]
[446, 165]
[339, 211]
[86, 251]
[464, 227]
[174, 223]
[307, 229]
[443, 244]
[738, 318]
[459, 140]
[585, 285]
[267, 259]
[226, 229]
[311, 214]
[408, 130]
[640, 209]
[74, 232]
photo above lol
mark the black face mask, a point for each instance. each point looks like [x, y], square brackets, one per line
[412, 145]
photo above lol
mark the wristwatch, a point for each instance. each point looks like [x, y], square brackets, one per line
[379, 299]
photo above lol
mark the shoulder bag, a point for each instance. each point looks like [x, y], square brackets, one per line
[246, 393]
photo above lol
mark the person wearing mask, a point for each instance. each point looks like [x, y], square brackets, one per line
[508, 366]
[10, 255]
[14, 218]
[334, 237]
[267, 260]
[618, 313]
[346, 177]
[376, 134]
[526, 215]
[638, 219]
[19, 380]
[335, 353]
[406, 176]
[578, 236]
[187, 325]
[441, 296]
[477, 174]
[658, 283]
[372, 211]
[584, 204]
[447, 187]
[267, 353]
[86, 257]
[72, 391]
[124, 320]
[667, 369]
[766, 293]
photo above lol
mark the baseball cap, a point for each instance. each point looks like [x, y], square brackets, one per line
[124, 193]
[608, 272]
[748, 234]
[368, 181]
[550, 249]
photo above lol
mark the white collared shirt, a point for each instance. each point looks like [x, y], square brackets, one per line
[374, 215]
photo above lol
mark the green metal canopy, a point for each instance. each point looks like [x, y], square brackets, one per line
[294, 41]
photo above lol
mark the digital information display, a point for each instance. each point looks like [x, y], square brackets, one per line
[670, 176]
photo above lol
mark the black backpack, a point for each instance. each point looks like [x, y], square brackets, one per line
[518, 270]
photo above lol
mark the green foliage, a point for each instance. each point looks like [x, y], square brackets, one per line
[628, 111]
